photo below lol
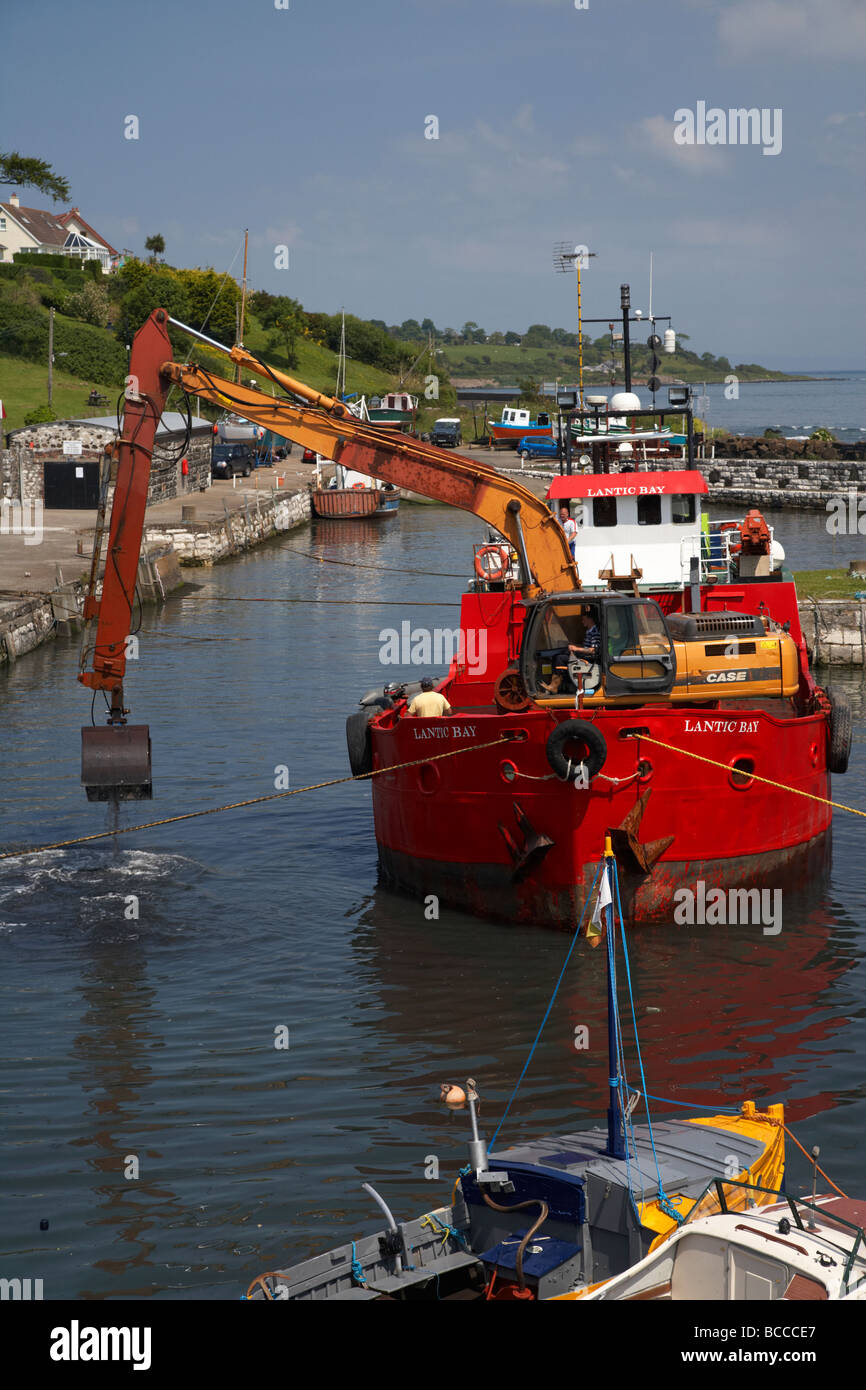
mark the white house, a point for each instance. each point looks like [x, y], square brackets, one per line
[64, 233]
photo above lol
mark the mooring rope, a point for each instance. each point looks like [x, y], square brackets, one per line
[252, 801]
[727, 767]
[305, 598]
[359, 565]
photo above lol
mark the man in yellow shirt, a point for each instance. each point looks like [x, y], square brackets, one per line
[428, 703]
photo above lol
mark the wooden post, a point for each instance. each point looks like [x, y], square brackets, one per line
[50, 354]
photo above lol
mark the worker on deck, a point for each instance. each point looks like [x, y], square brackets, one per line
[428, 703]
[569, 526]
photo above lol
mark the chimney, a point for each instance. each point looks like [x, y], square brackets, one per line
[13, 200]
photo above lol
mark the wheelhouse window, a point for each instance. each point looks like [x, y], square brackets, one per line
[683, 508]
[604, 511]
[649, 511]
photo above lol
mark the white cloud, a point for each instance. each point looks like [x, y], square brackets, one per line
[809, 29]
[656, 135]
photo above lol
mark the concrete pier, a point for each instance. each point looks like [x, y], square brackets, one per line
[43, 572]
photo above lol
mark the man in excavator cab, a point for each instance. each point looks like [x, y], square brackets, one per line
[576, 664]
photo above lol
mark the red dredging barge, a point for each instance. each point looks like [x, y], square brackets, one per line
[668, 760]
[658, 730]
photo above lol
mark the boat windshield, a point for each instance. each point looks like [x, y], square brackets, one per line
[725, 1195]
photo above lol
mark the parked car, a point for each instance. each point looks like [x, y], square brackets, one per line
[538, 447]
[228, 459]
[446, 433]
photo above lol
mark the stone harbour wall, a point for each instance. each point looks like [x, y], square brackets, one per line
[835, 630]
[260, 518]
[806, 485]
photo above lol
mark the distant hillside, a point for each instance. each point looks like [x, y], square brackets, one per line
[502, 365]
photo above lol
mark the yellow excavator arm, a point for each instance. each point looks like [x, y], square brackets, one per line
[329, 428]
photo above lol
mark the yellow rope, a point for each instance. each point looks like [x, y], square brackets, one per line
[253, 801]
[726, 767]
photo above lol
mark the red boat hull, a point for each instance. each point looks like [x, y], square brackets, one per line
[473, 829]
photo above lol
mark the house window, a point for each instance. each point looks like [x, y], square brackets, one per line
[2, 224]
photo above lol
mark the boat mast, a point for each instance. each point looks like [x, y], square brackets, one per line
[341, 362]
[240, 333]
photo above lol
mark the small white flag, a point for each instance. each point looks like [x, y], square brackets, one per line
[603, 900]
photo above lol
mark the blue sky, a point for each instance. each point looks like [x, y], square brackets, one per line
[306, 124]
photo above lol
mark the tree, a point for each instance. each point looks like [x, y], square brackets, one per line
[285, 318]
[90, 304]
[512, 339]
[156, 246]
[530, 391]
[537, 335]
[161, 290]
[33, 173]
[213, 300]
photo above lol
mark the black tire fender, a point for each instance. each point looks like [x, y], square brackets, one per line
[358, 739]
[840, 731]
[577, 732]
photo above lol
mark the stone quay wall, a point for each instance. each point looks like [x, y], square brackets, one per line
[798, 484]
[835, 630]
[260, 518]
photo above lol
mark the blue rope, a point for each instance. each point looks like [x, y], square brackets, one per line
[443, 1226]
[621, 1081]
[664, 1200]
[690, 1105]
[547, 1011]
[358, 1269]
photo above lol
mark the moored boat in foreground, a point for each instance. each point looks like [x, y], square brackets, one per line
[737, 1245]
[554, 1214]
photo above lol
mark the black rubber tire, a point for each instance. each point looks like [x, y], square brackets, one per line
[358, 740]
[841, 731]
[580, 732]
[247, 471]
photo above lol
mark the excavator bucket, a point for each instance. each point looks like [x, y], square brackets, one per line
[115, 763]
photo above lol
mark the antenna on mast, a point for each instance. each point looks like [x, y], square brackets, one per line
[566, 258]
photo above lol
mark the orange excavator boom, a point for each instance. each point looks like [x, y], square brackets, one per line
[116, 758]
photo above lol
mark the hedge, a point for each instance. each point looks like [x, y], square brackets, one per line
[90, 353]
[39, 258]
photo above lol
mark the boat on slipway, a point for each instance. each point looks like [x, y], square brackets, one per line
[517, 424]
[556, 1214]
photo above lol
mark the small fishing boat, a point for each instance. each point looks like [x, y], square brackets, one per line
[354, 496]
[517, 424]
[396, 409]
[735, 1247]
[556, 1214]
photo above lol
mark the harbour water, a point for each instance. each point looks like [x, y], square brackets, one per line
[156, 1037]
[834, 401]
